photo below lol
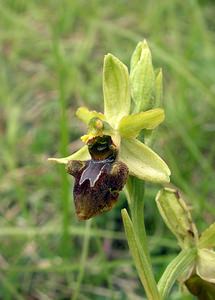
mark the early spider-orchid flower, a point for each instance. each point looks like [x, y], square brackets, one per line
[112, 149]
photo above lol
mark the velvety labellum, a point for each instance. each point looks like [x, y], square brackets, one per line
[99, 180]
[93, 171]
[97, 185]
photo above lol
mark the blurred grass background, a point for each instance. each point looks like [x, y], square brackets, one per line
[51, 63]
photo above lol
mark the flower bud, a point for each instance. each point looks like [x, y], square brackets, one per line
[142, 78]
[177, 217]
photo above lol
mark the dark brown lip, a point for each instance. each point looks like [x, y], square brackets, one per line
[97, 185]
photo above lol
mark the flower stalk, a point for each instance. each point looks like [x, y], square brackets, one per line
[135, 194]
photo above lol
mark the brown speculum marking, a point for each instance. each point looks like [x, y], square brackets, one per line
[99, 180]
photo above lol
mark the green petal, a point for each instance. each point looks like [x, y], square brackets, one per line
[143, 162]
[131, 125]
[207, 239]
[81, 154]
[206, 265]
[116, 90]
[85, 115]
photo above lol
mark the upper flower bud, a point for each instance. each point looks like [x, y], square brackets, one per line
[146, 85]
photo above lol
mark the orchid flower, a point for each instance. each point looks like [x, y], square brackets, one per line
[112, 149]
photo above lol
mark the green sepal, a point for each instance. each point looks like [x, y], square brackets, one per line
[177, 217]
[82, 154]
[143, 162]
[116, 90]
[131, 125]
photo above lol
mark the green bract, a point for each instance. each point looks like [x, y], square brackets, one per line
[123, 127]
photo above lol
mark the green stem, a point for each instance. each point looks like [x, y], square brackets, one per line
[177, 267]
[135, 193]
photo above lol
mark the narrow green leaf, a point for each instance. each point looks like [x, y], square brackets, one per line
[85, 115]
[140, 259]
[143, 162]
[81, 154]
[207, 239]
[182, 264]
[131, 125]
[177, 217]
[116, 90]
